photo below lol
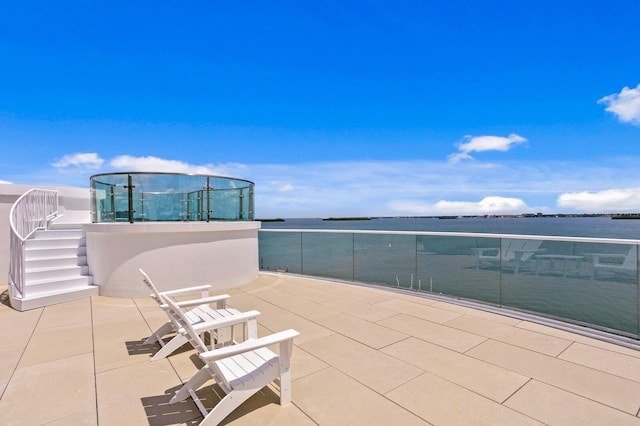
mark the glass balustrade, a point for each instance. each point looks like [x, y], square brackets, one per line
[585, 281]
[169, 197]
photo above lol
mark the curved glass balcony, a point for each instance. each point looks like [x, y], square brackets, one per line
[169, 197]
[589, 282]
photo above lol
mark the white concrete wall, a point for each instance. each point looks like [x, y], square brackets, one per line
[223, 254]
[74, 207]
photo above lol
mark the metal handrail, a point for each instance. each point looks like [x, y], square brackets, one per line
[32, 211]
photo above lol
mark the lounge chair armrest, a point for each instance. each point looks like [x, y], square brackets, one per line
[187, 290]
[202, 301]
[249, 345]
[240, 318]
[597, 258]
[480, 251]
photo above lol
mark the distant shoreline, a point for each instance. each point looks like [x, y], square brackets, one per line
[348, 218]
[493, 216]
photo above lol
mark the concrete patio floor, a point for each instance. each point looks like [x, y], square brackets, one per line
[365, 356]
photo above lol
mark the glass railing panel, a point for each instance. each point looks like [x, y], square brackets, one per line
[102, 200]
[170, 197]
[121, 203]
[280, 251]
[583, 282]
[388, 259]
[464, 267]
[159, 206]
[591, 283]
[110, 201]
[225, 204]
[195, 205]
[328, 255]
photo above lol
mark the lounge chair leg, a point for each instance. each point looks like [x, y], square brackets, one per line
[286, 348]
[165, 329]
[200, 378]
[229, 403]
[170, 347]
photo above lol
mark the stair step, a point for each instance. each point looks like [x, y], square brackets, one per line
[42, 243]
[56, 268]
[46, 298]
[33, 276]
[52, 253]
[56, 225]
[33, 288]
[58, 233]
[54, 262]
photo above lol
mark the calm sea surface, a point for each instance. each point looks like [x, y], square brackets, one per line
[600, 227]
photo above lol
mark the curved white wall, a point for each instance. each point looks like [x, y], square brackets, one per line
[175, 255]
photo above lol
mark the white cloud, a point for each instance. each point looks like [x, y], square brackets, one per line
[626, 105]
[155, 164]
[287, 187]
[610, 200]
[416, 187]
[84, 160]
[5, 181]
[488, 205]
[484, 143]
[421, 187]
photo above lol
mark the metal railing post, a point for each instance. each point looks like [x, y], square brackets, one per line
[208, 188]
[129, 188]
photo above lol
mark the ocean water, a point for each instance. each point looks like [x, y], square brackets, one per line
[599, 227]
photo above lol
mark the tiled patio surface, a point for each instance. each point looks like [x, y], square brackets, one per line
[364, 357]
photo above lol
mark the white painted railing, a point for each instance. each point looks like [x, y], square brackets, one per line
[32, 211]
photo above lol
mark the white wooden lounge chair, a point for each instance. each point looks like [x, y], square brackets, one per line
[196, 311]
[621, 265]
[240, 370]
[514, 252]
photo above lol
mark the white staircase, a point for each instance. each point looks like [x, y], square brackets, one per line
[55, 268]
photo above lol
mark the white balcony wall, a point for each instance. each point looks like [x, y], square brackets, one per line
[175, 255]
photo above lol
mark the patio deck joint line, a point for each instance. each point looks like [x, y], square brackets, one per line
[95, 373]
[573, 342]
[474, 346]
[582, 330]
[13, 372]
[516, 391]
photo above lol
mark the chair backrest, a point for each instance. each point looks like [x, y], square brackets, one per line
[152, 287]
[528, 248]
[179, 317]
[631, 260]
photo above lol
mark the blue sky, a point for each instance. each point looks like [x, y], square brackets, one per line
[333, 108]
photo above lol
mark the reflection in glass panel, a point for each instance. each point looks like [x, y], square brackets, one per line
[328, 255]
[460, 266]
[102, 196]
[225, 204]
[280, 251]
[589, 283]
[385, 259]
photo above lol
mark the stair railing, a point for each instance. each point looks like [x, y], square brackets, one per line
[32, 211]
